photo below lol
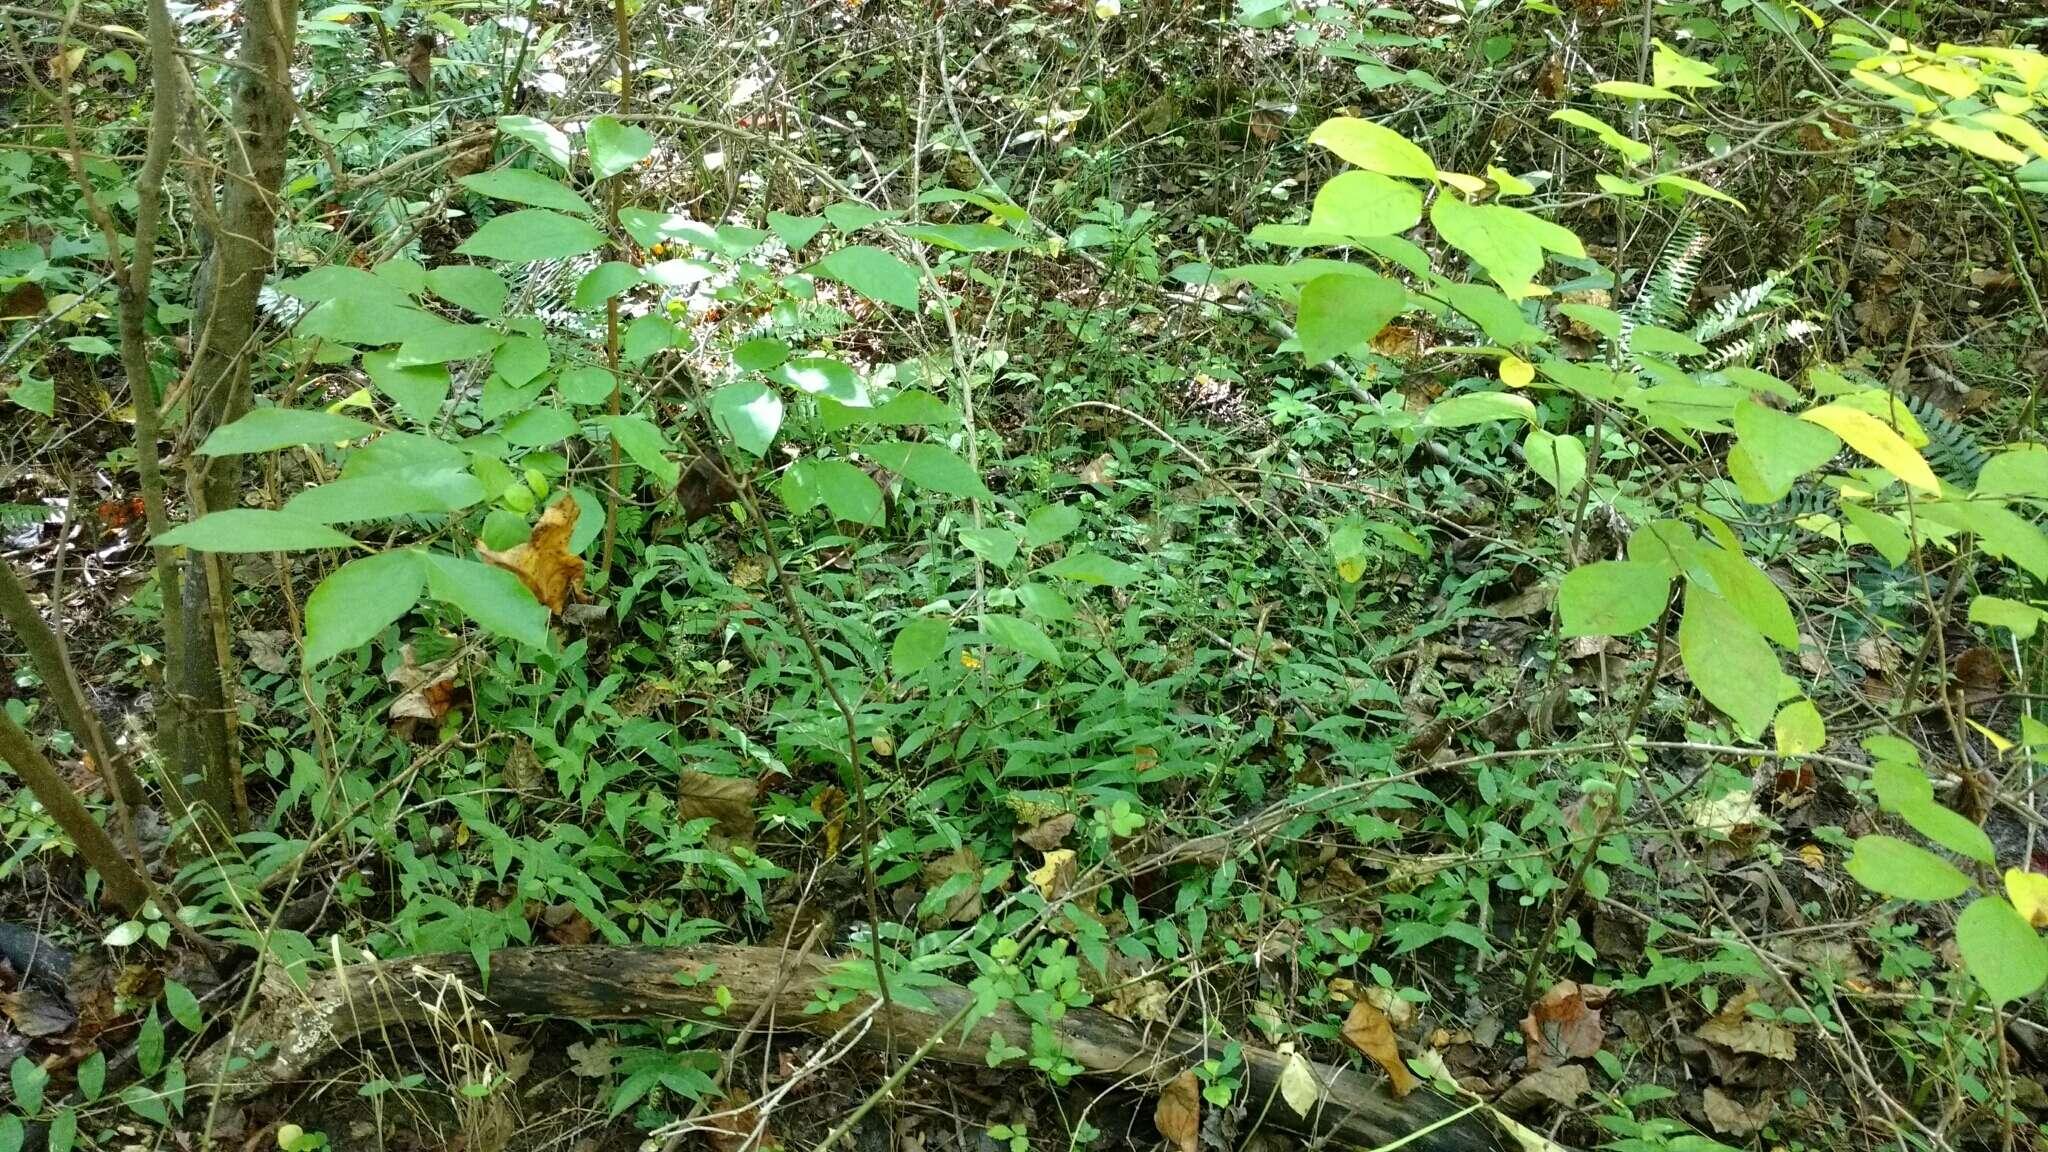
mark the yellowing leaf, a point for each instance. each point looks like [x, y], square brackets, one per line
[1469, 185]
[1368, 1030]
[1950, 82]
[543, 563]
[2028, 892]
[1671, 68]
[1373, 148]
[1298, 1084]
[1799, 729]
[1052, 876]
[1886, 86]
[1875, 439]
[1516, 372]
[1982, 141]
[1178, 1115]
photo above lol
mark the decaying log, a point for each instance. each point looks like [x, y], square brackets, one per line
[286, 1036]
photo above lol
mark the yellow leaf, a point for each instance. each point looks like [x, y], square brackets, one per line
[1998, 743]
[2028, 892]
[1469, 185]
[1516, 372]
[1886, 86]
[1950, 82]
[1047, 878]
[1983, 141]
[1298, 1084]
[1875, 439]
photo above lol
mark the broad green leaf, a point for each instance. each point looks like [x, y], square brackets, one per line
[183, 1006]
[647, 335]
[418, 390]
[586, 384]
[1366, 204]
[1899, 784]
[28, 1079]
[1045, 602]
[615, 147]
[478, 289]
[604, 282]
[2002, 951]
[850, 494]
[521, 358]
[253, 530]
[490, 596]
[501, 399]
[2021, 471]
[905, 409]
[1729, 661]
[357, 499]
[1891, 867]
[447, 343]
[2020, 619]
[1772, 450]
[795, 231]
[1696, 187]
[1751, 594]
[1799, 729]
[919, 643]
[1507, 242]
[546, 139]
[648, 227]
[1881, 531]
[1091, 568]
[2005, 534]
[822, 376]
[1670, 68]
[1339, 313]
[331, 282]
[1560, 461]
[1632, 150]
[1877, 441]
[645, 445]
[532, 234]
[373, 323]
[1948, 828]
[966, 237]
[1049, 523]
[268, 429]
[1612, 597]
[849, 217]
[1367, 145]
[748, 411]
[929, 466]
[521, 186]
[1021, 636]
[1500, 318]
[760, 354]
[874, 274]
[994, 545]
[539, 427]
[1478, 408]
[1630, 90]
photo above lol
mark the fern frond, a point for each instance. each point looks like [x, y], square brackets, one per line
[1668, 287]
[15, 517]
[1952, 450]
[1734, 311]
[1768, 336]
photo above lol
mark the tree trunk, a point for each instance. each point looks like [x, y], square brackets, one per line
[592, 982]
[125, 885]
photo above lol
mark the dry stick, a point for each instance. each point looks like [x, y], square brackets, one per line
[611, 304]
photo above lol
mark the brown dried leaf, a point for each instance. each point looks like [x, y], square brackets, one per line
[830, 802]
[24, 301]
[1179, 1113]
[543, 562]
[1564, 1024]
[963, 906]
[1561, 1086]
[1730, 1118]
[727, 800]
[35, 1013]
[1736, 1030]
[1368, 1030]
[1098, 470]
[566, 924]
[730, 1125]
[1046, 835]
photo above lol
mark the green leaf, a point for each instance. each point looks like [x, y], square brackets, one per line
[822, 376]
[1752, 594]
[929, 466]
[268, 429]
[586, 384]
[1952, 830]
[359, 600]
[1500, 318]
[1631, 150]
[849, 217]
[1021, 636]
[760, 354]
[1881, 531]
[1560, 461]
[2001, 950]
[532, 234]
[604, 282]
[994, 545]
[521, 358]
[1670, 68]
[2020, 619]
[1044, 602]
[253, 530]
[849, 493]
[1478, 408]
[149, 1044]
[490, 596]
[1891, 867]
[546, 139]
[1507, 242]
[1049, 523]
[748, 411]
[1630, 90]
[29, 1078]
[1772, 450]
[1900, 783]
[1339, 313]
[1366, 145]
[92, 1076]
[12, 1134]
[966, 237]
[1729, 661]
[647, 335]
[419, 390]
[1612, 598]
[448, 342]
[645, 445]
[874, 274]
[615, 147]
[521, 186]
[183, 1005]
[367, 322]
[1799, 729]
[63, 1134]
[795, 231]
[918, 644]
[1091, 568]
[1356, 204]
[539, 427]
[478, 289]
[356, 499]
[2021, 471]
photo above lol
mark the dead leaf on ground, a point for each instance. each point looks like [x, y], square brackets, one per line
[1561, 1086]
[1399, 1009]
[731, 1123]
[1564, 1024]
[543, 562]
[962, 906]
[1097, 471]
[1053, 878]
[727, 800]
[430, 690]
[267, 650]
[36, 1013]
[24, 301]
[1179, 1113]
[1736, 1030]
[566, 924]
[1731, 1118]
[592, 1059]
[1368, 1030]
[1046, 835]
[1147, 1000]
[830, 802]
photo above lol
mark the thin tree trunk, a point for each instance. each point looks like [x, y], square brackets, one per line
[243, 250]
[125, 885]
[61, 685]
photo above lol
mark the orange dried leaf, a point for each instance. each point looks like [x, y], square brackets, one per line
[543, 563]
[1179, 1114]
[1368, 1030]
[1564, 1024]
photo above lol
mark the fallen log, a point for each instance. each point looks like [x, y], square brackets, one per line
[296, 1028]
